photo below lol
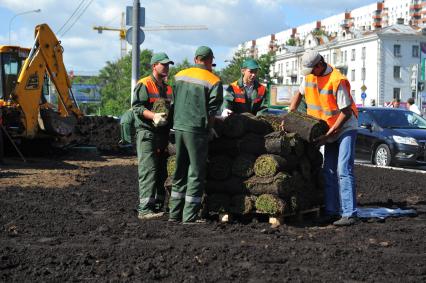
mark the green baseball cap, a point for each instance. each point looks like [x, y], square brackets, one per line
[250, 64]
[204, 52]
[161, 58]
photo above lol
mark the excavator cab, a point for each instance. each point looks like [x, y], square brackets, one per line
[11, 60]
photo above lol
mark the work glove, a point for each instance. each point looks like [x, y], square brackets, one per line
[212, 134]
[226, 113]
[160, 119]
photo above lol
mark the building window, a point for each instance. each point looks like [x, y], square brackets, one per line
[363, 74]
[397, 72]
[363, 54]
[415, 51]
[346, 56]
[353, 94]
[397, 93]
[397, 50]
[334, 58]
[353, 55]
[352, 75]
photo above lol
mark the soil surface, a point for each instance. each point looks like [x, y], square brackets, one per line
[74, 219]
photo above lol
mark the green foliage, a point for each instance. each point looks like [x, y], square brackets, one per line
[232, 72]
[291, 42]
[115, 83]
[176, 69]
[319, 32]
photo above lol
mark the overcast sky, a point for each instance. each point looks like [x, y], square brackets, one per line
[229, 23]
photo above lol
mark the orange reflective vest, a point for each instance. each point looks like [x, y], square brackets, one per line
[153, 92]
[320, 96]
[240, 96]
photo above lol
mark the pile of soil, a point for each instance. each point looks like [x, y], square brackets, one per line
[100, 131]
[75, 219]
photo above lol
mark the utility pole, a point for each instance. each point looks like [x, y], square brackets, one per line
[414, 82]
[135, 46]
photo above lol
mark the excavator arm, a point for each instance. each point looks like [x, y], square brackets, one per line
[45, 58]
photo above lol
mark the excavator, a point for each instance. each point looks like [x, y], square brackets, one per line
[26, 108]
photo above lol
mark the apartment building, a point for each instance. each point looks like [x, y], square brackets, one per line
[366, 18]
[378, 63]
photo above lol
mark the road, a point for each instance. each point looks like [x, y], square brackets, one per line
[419, 169]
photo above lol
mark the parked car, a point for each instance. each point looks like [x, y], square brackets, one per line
[390, 136]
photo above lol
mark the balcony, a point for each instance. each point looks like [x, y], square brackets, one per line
[377, 25]
[415, 15]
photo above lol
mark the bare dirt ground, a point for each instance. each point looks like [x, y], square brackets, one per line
[74, 219]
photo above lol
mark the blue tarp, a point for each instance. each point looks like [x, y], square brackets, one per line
[383, 212]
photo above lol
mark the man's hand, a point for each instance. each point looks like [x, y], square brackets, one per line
[212, 134]
[321, 140]
[226, 113]
[160, 119]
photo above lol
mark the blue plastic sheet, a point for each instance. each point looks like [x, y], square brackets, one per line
[383, 212]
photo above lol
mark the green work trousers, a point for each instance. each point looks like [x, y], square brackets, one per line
[189, 177]
[152, 170]
[126, 133]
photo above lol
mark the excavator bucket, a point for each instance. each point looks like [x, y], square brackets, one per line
[56, 125]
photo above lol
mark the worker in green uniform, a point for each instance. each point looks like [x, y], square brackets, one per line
[197, 96]
[152, 131]
[127, 121]
[245, 94]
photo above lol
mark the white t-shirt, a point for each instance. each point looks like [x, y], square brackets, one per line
[415, 109]
[343, 98]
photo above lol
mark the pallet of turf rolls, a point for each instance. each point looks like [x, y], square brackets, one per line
[254, 168]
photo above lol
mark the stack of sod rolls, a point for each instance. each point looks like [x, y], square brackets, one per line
[255, 167]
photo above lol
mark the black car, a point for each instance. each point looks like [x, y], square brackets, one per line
[390, 136]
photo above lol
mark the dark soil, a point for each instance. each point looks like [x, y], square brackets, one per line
[75, 220]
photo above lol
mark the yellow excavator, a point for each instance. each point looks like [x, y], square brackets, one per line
[24, 77]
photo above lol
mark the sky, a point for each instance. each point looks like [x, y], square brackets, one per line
[229, 23]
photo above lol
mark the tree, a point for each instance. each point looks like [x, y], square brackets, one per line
[175, 69]
[291, 42]
[115, 83]
[233, 71]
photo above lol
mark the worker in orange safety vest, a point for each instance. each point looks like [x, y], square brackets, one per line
[328, 97]
[152, 132]
[245, 94]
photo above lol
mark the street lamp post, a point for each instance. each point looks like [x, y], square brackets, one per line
[19, 14]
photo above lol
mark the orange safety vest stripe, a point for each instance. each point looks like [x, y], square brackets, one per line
[241, 98]
[153, 93]
[320, 96]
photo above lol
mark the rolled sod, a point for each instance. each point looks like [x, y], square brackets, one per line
[307, 127]
[268, 165]
[272, 120]
[231, 186]
[270, 204]
[242, 204]
[243, 165]
[171, 165]
[219, 167]
[281, 185]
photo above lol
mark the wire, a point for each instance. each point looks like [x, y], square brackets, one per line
[78, 17]
[73, 13]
